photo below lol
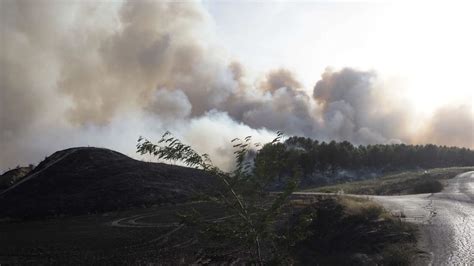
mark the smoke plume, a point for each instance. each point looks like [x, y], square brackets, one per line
[453, 126]
[357, 108]
[102, 74]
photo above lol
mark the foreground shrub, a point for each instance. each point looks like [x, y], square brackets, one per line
[349, 231]
[430, 186]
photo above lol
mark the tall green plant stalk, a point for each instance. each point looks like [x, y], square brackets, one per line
[245, 191]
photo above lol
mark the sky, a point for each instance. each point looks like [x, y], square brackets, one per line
[421, 45]
[86, 73]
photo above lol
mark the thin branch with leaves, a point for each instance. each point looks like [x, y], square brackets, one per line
[244, 192]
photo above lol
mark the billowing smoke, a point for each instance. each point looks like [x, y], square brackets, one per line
[453, 126]
[81, 73]
[356, 107]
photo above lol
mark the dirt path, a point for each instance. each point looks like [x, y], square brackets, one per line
[446, 220]
[133, 221]
[140, 221]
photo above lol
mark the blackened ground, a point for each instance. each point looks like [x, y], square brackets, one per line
[93, 180]
[140, 236]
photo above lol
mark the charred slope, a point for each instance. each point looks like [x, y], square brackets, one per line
[85, 180]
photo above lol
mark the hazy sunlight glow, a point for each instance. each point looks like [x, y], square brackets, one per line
[425, 49]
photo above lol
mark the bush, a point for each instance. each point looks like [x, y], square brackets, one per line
[431, 186]
[349, 231]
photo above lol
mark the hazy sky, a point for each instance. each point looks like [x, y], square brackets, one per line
[87, 73]
[426, 47]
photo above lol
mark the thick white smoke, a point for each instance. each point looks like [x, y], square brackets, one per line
[102, 74]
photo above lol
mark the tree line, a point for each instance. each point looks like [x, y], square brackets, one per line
[312, 156]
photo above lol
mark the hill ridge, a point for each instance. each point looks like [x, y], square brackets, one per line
[81, 180]
[41, 167]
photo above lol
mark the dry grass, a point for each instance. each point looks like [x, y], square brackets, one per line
[403, 183]
[361, 207]
[352, 231]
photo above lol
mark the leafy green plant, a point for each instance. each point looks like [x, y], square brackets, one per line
[253, 209]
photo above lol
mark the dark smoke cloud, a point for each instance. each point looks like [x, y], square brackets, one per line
[355, 107]
[156, 46]
[101, 74]
[276, 103]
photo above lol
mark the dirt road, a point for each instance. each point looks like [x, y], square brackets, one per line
[446, 220]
